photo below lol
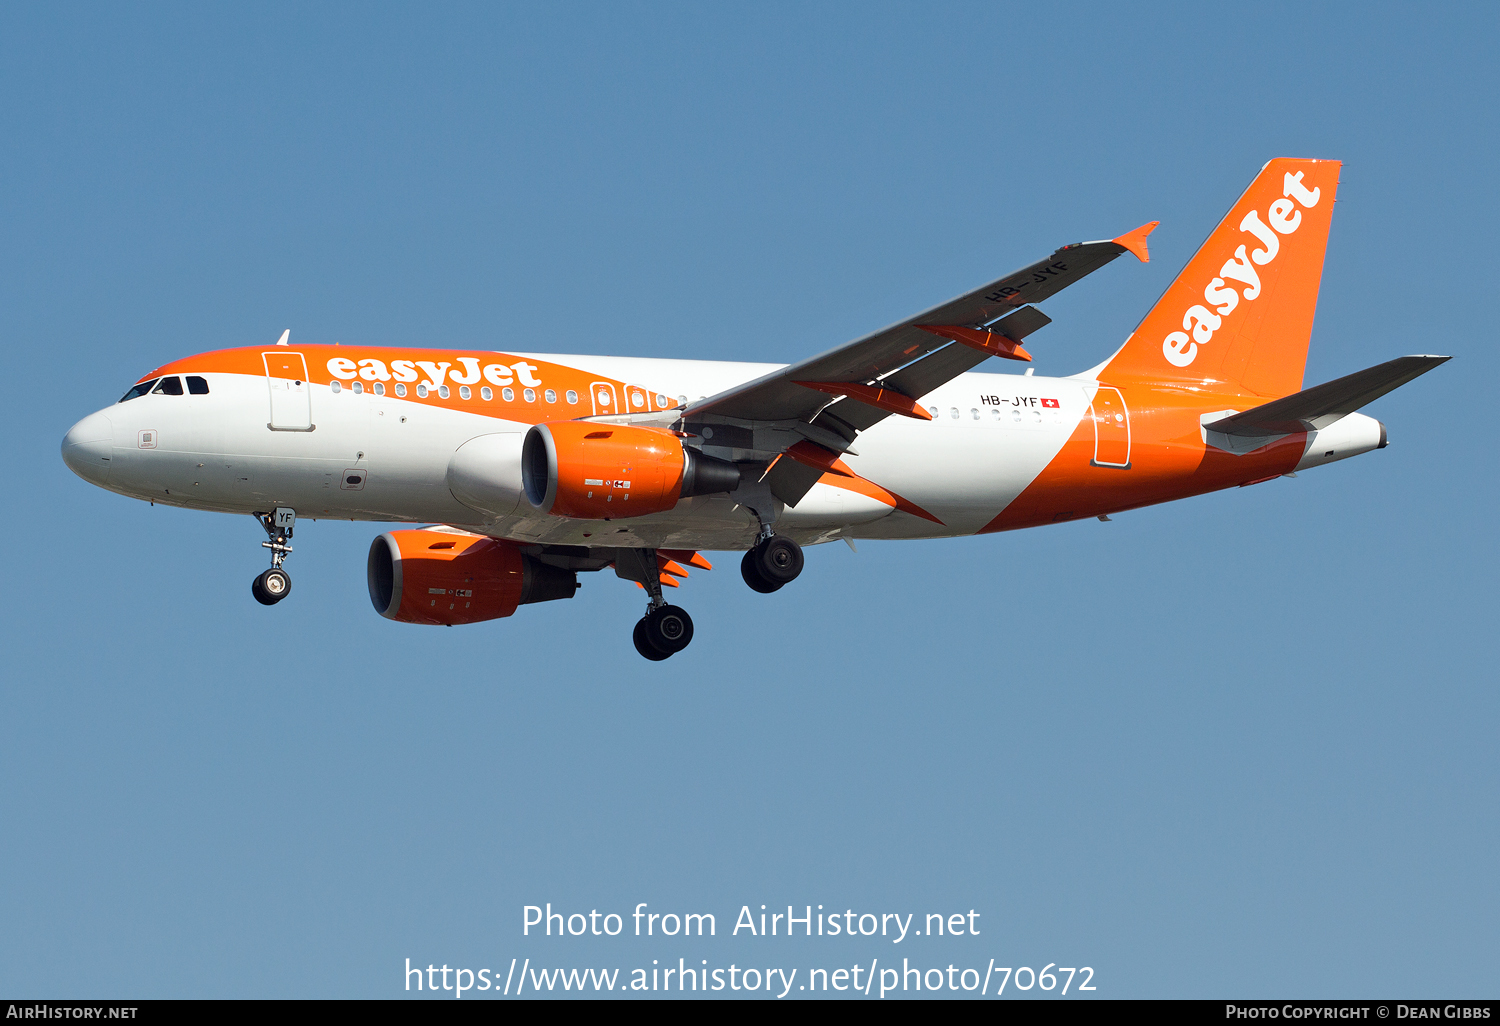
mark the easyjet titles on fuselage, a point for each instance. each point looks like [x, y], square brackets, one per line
[499, 374]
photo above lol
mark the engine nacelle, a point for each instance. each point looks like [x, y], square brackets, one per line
[609, 471]
[445, 578]
[485, 473]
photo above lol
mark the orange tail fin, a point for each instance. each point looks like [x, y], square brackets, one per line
[1239, 316]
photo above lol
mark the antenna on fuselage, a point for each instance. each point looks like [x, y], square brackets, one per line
[284, 336]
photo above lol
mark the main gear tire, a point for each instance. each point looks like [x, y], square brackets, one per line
[669, 629]
[643, 644]
[750, 571]
[778, 559]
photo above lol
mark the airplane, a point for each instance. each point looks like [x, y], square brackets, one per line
[534, 468]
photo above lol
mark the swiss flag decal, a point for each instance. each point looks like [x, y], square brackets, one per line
[1050, 404]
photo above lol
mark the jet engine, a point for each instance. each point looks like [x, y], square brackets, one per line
[598, 471]
[443, 577]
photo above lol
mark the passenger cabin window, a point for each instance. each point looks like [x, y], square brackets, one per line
[138, 391]
[168, 386]
[197, 385]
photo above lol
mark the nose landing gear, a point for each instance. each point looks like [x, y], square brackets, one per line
[275, 584]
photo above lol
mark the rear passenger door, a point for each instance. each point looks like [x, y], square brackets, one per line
[1111, 429]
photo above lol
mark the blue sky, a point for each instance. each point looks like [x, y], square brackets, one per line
[1239, 745]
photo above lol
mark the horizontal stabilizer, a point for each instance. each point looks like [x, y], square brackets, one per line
[1317, 407]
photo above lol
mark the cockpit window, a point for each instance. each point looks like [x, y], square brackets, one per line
[196, 385]
[138, 391]
[168, 386]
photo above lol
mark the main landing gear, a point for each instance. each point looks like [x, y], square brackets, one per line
[666, 629]
[774, 563]
[775, 560]
[275, 584]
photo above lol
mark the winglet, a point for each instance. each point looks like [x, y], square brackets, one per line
[1136, 241]
[284, 336]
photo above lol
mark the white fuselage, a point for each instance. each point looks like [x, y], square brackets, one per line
[382, 458]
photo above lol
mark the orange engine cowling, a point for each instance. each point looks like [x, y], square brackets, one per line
[598, 471]
[442, 577]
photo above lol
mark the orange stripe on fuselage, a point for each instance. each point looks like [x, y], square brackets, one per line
[1168, 460]
[370, 365]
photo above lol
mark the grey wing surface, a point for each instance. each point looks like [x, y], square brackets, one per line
[909, 359]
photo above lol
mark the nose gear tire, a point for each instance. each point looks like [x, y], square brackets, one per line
[271, 587]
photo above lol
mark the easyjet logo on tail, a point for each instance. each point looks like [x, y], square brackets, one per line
[1201, 321]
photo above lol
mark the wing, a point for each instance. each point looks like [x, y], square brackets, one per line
[829, 399]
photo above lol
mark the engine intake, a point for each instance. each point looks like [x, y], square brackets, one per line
[439, 577]
[606, 472]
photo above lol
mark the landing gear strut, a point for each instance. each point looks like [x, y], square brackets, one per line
[666, 629]
[275, 584]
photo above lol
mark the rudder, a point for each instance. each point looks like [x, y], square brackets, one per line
[1239, 316]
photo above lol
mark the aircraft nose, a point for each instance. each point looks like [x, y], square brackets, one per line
[87, 448]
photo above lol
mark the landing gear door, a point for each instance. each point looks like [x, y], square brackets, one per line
[602, 395]
[1111, 429]
[291, 395]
